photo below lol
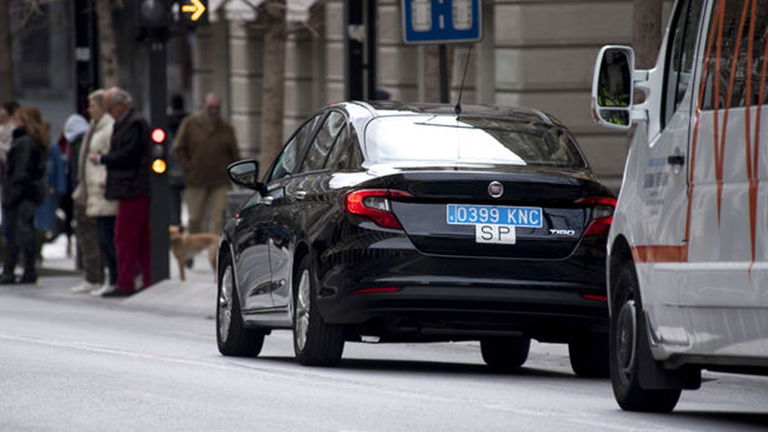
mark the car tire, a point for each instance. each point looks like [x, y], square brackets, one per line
[232, 337]
[505, 354]
[623, 348]
[315, 342]
[589, 356]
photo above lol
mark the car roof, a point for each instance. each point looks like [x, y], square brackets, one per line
[396, 108]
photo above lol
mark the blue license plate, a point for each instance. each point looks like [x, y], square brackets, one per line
[462, 214]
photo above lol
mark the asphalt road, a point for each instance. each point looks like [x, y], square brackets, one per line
[72, 363]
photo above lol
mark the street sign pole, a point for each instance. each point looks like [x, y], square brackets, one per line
[444, 84]
[442, 22]
[159, 209]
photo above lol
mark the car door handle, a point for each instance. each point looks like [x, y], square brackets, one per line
[676, 160]
[267, 200]
[300, 195]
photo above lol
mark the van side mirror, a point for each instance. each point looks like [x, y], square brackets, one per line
[613, 87]
[245, 173]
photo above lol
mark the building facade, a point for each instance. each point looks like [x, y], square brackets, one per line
[535, 53]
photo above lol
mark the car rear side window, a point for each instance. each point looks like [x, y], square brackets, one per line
[323, 142]
[734, 70]
[289, 159]
[345, 153]
[446, 139]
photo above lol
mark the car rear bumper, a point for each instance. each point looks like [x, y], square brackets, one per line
[449, 298]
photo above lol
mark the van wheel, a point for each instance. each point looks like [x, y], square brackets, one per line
[315, 343]
[623, 348]
[505, 354]
[589, 356]
[232, 338]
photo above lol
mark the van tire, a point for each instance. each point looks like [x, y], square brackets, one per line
[624, 339]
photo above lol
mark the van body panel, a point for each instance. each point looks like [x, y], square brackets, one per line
[699, 232]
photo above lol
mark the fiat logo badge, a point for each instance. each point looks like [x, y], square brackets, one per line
[495, 189]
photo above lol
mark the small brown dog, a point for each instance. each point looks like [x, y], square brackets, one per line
[185, 246]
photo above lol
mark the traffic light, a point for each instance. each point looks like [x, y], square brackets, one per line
[193, 12]
[159, 164]
[154, 18]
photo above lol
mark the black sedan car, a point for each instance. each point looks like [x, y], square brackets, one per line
[398, 223]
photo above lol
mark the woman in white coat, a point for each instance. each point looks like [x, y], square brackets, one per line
[93, 180]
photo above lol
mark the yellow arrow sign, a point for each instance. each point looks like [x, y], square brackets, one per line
[197, 9]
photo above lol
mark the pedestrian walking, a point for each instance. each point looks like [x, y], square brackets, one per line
[204, 146]
[7, 126]
[75, 130]
[24, 189]
[91, 190]
[128, 165]
[46, 221]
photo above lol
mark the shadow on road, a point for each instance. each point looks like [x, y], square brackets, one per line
[737, 418]
[432, 367]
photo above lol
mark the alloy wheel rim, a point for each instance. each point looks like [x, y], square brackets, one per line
[225, 303]
[626, 336]
[302, 311]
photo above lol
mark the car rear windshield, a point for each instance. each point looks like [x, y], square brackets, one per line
[448, 139]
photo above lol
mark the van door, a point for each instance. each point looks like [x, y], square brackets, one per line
[725, 297]
[663, 187]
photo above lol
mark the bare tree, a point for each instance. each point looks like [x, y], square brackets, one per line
[28, 10]
[646, 38]
[6, 45]
[107, 45]
[273, 13]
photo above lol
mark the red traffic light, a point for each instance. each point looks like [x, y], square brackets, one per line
[158, 136]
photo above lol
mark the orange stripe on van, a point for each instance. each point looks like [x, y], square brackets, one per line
[695, 138]
[659, 254]
[751, 154]
[716, 106]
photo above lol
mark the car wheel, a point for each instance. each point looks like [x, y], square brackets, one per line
[623, 358]
[589, 356]
[315, 342]
[505, 354]
[232, 337]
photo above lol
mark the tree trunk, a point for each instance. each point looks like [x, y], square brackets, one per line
[647, 32]
[273, 94]
[6, 46]
[107, 45]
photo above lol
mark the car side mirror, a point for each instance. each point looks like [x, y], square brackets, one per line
[613, 87]
[245, 173]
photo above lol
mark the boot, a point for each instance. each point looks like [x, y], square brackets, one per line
[9, 265]
[30, 267]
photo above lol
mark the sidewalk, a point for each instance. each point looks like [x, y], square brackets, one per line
[195, 297]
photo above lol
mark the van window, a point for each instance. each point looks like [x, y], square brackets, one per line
[738, 41]
[682, 48]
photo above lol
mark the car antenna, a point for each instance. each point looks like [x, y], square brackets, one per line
[457, 108]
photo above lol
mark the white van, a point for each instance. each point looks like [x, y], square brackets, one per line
[688, 247]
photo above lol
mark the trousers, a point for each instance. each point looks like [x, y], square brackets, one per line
[88, 243]
[19, 221]
[132, 242]
[202, 199]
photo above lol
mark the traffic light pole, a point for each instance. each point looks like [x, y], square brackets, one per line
[159, 209]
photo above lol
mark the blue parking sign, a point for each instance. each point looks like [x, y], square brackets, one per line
[441, 21]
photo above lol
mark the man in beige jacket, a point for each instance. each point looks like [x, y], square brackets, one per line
[204, 145]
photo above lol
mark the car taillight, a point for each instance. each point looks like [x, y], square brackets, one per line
[375, 205]
[602, 214]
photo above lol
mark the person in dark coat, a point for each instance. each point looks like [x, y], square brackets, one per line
[25, 188]
[128, 177]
